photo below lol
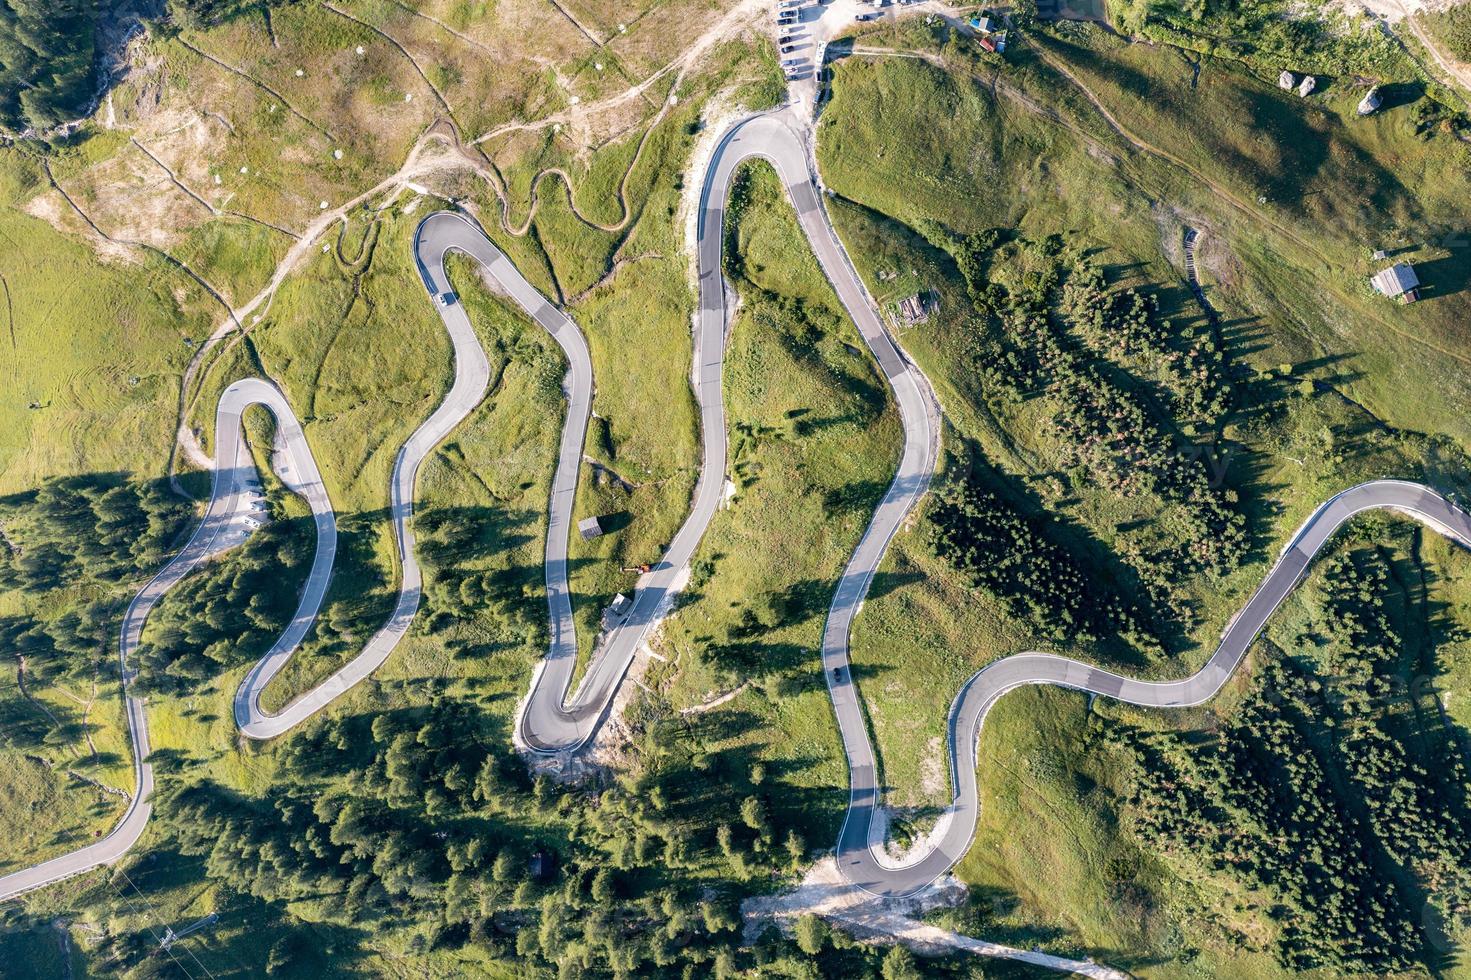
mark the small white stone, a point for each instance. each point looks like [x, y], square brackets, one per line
[360, 49]
[556, 127]
[245, 170]
[622, 28]
[299, 73]
[326, 247]
[574, 100]
[673, 99]
[322, 206]
[337, 154]
[597, 66]
[217, 179]
[408, 96]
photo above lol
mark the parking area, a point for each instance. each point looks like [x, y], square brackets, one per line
[803, 28]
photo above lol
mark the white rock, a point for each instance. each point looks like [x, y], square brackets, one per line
[245, 170]
[322, 206]
[597, 66]
[217, 180]
[337, 154]
[574, 100]
[622, 28]
[408, 96]
[360, 49]
[299, 73]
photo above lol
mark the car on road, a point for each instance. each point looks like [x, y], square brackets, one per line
[447, 298]
[788, 48]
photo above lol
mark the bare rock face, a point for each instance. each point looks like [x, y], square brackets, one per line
[1371, 102]
[1286, 81]
[1306, 87]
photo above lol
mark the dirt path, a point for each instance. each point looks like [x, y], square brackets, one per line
[1417, 339]
[576, 23]
[1459, 72]
[1250, 211]
[401, 50]
[259, 84]
[9, 311]
[169, 171]
[825, 893]
[418, 165]
[712, 703]
[20, 682]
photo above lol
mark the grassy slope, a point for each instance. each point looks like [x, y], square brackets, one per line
[1454, 27]
[905, 141]
[120, 328]
[494, 470]
[809, 421]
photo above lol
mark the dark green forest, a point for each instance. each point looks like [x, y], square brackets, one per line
[52, 51]
[1335, 794]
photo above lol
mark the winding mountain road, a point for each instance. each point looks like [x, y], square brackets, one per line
[553, 719]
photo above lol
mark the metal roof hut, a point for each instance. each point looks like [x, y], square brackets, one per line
[589, 528]
[1398, 282]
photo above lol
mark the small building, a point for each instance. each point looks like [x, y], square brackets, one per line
[1306, 86]
[1287, 81]
[541, 865]
[1380, 255]
[1398, 282]
[1371, 102]
[917, 308]
[1000, 40]
[589, 528]
[981, 23]
[988, 44]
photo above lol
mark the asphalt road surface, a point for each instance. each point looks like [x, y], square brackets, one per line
[548, 722]
[235, 502]
[552, 718]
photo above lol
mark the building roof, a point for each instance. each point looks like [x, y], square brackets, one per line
[1398, 279]
[589, 527]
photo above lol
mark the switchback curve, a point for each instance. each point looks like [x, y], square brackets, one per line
[548, 721]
